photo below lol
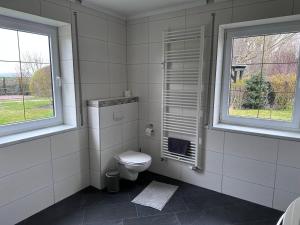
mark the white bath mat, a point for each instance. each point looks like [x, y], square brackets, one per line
[155, 195]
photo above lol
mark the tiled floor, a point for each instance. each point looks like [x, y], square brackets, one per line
[190, 205]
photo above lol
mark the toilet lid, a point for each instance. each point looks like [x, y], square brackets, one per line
[132, 157]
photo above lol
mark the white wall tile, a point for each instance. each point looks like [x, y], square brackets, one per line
[130, 111]
[27, 206]
[68, 95]
[95, 160]
[116, 32]
[117, 73]
[130, 130]
[155, 53]
[288, 179]
[95, 179]
[111, 136]
[282, 199]
[92, 50]
[94, 91]
[21, 156]
[111, 115]
[140, 90]
[137, 33]
[154, 111]
[30, 6]
[137, 73]
[65, 143]
[70, 165]
[263, 10]
[196, 20]
[289, 153]
[70, 185]
[137, 54]
[23, 183]
[94, 72]
[65, 48]
[259, 148]
[155, 73]
[116, 53]
[55, 11]
[248, 191]
[204, 179]
[155, 92]
[92, 26]
[67, 71]
[249, 170]
[156, 28]
[117, 89]
[296, 7]
[213, 162]
[214, 140]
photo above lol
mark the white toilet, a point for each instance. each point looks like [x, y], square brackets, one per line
[131, 163]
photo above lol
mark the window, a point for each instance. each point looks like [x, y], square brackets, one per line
[259, 78]
[29, 92]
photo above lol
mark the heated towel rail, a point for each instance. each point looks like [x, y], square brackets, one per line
[181, 93]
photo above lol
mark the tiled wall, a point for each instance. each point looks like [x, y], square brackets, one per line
[35, 174]
[258, 169]
[38, 173]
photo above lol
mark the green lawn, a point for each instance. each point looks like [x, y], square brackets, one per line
[12, 110]
[283, 115]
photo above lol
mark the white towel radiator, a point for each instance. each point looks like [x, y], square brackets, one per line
[182, 115]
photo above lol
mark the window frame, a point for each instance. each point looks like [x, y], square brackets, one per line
[52, 33]
[224, 61]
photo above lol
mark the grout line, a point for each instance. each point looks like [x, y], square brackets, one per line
[275, 178]
[248, 158]
[52, 173]
[249, 182]
[223, 156]
[27, 195]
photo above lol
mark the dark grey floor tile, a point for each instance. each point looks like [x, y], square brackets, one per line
[168, 219]
[263, 222]
[190, 205]
[106, 222]
[189, 190]
[176, 204]
[202, 202]
[250, 212]
[56, 216]
[196, 217]
[100, 212]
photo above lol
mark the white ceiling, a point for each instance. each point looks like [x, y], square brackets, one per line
[131, 8]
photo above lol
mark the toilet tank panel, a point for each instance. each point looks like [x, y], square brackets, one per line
[117, 132]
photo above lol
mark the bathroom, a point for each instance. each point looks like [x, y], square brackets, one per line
[110, 49]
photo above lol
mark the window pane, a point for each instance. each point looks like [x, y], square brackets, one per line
[34, 48]
[9, 45]
[38, 96]
[247, 50]
[282, 48]
[11, 98]
[244, 91]
[280, 83]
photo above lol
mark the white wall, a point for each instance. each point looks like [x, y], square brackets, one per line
[35, 174]
[258, 169]
[38, 173]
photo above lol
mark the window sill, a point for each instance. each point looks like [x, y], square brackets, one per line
[35, 134]
[286, 135]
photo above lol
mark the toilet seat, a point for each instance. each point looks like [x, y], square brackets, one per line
[133, 158]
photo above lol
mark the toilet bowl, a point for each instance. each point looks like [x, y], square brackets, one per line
[131, 163]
